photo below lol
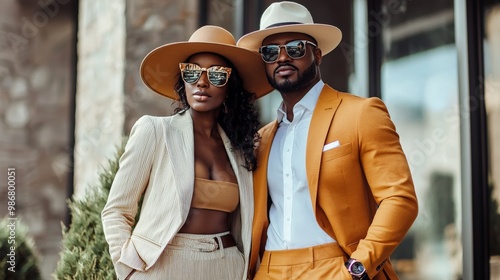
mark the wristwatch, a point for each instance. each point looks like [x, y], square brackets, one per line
[356, 269]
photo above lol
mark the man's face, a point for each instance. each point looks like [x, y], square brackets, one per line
[288, 74]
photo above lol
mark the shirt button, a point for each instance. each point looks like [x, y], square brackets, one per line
[286, 175]
[288, 150]
[288, 197]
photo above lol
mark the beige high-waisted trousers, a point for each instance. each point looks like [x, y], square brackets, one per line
[195, 257]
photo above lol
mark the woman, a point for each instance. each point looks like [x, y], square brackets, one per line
[193, 169]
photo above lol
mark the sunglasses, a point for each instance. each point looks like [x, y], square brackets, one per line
[294, 49]
[217, 75]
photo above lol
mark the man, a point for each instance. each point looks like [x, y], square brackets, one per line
[333, 191]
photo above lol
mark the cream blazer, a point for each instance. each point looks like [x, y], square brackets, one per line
[158, 163]
[361, 189]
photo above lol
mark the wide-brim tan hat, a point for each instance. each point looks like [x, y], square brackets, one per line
[160, 67]
[286, 16]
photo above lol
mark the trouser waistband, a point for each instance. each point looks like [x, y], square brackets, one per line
[303, 255]
[203, 242]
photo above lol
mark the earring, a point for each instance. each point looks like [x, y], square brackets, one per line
[224, 107]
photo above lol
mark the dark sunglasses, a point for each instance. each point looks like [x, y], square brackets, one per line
[217, 75]
[294, 49]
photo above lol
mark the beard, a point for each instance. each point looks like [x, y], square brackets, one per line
[303, 80]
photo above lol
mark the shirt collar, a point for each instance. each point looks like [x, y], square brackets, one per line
[308, 102]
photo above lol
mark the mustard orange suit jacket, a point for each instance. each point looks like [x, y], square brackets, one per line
[362, 191]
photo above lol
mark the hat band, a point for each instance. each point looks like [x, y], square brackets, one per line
[283, 23]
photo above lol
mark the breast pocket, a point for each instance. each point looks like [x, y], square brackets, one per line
[340, 151]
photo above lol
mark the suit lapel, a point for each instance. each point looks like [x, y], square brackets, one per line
[260, 174]
[324, 111]
[260, 190]
[241, 175]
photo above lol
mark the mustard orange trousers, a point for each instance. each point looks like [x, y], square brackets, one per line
[313, 263]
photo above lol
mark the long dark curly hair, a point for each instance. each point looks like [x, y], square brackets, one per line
[239, 118]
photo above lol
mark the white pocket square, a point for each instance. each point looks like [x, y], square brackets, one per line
[331, 145]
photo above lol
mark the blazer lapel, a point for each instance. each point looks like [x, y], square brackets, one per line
[242, 224]
[244, 180]
[180, 146]
[327, 105]
[260, 190]
[260, 174]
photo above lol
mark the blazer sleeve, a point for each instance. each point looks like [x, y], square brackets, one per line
[388, 175]
[118, 215]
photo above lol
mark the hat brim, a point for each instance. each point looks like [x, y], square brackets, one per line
[160, 68]
[327, 36]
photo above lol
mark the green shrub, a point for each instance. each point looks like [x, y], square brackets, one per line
[85, 254]
[22, 263]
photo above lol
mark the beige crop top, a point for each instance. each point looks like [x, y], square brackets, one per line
[215, 195]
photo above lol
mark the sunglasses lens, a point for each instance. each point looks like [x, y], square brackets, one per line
[190, 76]
[270, 53]
[190, 72]
[296, 49]
[217, 77]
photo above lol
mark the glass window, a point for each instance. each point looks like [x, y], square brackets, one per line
[224, 13]
[492, 102]
[420, 88]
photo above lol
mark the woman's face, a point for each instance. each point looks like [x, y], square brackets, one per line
[201, 95]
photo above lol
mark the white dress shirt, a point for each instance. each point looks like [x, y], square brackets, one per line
[293, 224]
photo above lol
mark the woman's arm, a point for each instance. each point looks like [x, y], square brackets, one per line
[118, 215]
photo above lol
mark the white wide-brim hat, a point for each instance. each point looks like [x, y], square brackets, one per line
[160, 68]
[286, 16]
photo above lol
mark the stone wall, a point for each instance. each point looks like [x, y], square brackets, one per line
[99, 94]
[114, 38]
[35, 113]
[110, 94]
[150, 24]
[36, 96]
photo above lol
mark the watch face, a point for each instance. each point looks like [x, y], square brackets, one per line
[357, 268]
